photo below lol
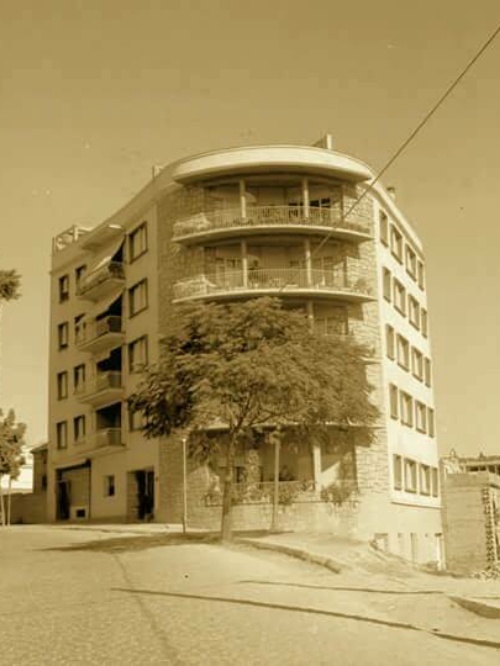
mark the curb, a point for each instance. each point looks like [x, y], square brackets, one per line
[490, 611]
[298, 553]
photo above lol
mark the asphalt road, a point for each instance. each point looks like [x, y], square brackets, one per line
[191, 604]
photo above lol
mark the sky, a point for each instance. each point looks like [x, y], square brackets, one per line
[94, 93]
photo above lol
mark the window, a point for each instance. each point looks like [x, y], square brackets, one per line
[414, 312]
[138, 241]
[411, 262]
[393, 397]
[397, 470]
[417, 363]
[63, 335]
[425, 480]
[387, 284]
[109, 485]
[390, 342]
[138, 354]
[62, 385]
[62, 434]
[434, 482]
[420, 416]
[138, 297]
[136, 420]
[78, 378]
[406, 406]
[384, 227]
[78, 326]
[397, 244]
[79, 429]
[79, 273]
[63, 288]
[399, 297]
[420, 275]
[427, 372]
[410, 476]
[423, 322]
[430, 422]
[403, 352]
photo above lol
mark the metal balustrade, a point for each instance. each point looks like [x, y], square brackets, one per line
[97, 280]
[93, 331]
[103, 384]
[264, 216]
[335, 281]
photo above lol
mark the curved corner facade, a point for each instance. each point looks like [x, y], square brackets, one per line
[235, 224]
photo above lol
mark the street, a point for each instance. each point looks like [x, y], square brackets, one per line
[191, 604]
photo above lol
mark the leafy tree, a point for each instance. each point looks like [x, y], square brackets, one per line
[11, 452]
[249, 365]
[9, 285]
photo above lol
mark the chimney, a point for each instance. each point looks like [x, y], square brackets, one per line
[326, 142]
[391, 191]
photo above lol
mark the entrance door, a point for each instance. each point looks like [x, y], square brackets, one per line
[63, 500]
[145, 480]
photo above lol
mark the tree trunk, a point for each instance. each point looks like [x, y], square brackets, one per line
[2, 504]
[226, 526]
[9, 499]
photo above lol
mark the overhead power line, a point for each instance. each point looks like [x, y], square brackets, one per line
[414, 133]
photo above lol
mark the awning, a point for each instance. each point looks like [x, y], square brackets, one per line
[101, 306]
[105, 257]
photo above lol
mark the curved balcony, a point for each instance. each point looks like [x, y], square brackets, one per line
[280, 219]
[299, 282]
[102, 281]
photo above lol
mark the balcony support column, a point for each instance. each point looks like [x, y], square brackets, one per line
[308, 261]
[310, 314]
[316, 463]
[305, 197]
[244, 262]
[243, 199]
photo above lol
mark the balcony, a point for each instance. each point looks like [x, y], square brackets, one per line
[102, 439]
[102, 282]
[282, 219]
[104, 389]
[97, 335]
[274, 282]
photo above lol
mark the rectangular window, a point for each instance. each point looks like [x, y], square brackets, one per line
[79, 273]
[414, 312]
[387, 280]
[410, 476]
[138, 354]
[390, 342]
[434, 482]
[425, 480]
[411, 262]
[423, 322]
[393, 397]
[417, 363]
[63, 288]
[420, 416]
[384, 227]
[62, 385]
[430, 422]
[399, 297]
[420, 275]
[63, 335]
[406, 407]
[109, 485]
[397, 243]
[136, 420]
[428, 372]
[79, 429]
[78, 378]
[62, 434]
[403, 352]
[138, 297]
[397, 468]
[138, 241]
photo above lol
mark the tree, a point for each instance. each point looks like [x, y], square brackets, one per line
[250, 365]
[9, 285]
[11, 453]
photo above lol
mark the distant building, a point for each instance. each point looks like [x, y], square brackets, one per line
[471, 511]
[29, 505]
[232, 224]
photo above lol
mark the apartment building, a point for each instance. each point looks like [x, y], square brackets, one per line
[298, 222]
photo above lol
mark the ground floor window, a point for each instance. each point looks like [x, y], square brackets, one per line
[109, 485]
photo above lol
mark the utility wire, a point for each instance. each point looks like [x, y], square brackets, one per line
[413, 134]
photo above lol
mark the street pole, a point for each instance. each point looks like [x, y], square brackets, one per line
[274, 523]
[184, 486]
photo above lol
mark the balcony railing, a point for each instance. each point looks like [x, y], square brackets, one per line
[98, 333]
[273, 279]
[102, 280]
[100, 439]
[274, 216]
[103, 387]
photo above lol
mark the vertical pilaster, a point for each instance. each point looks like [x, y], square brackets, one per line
[244, 262]
[305, 197]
